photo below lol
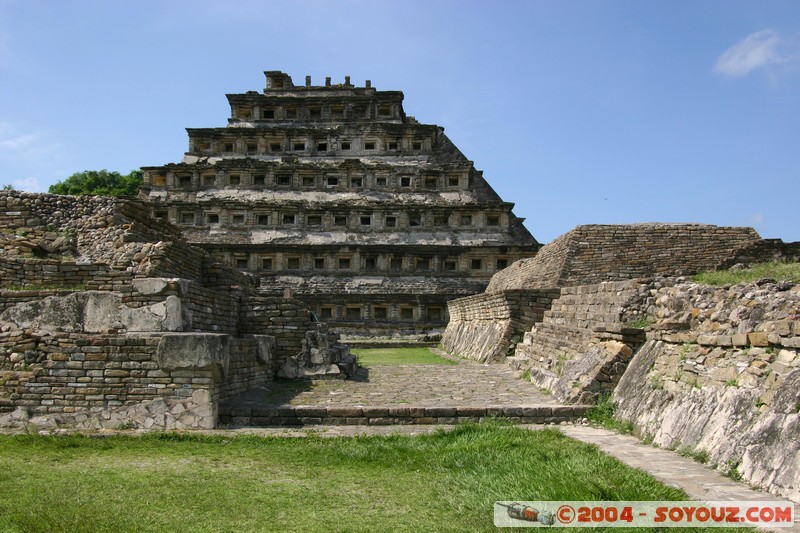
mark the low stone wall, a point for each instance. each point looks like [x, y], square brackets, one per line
[485, 326]
[167, 381]
[237, 415]
[20, 271]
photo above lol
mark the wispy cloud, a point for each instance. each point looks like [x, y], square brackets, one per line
[30, 184]
[763, 49]
[26, 146]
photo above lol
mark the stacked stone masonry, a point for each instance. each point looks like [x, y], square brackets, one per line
[714, 370]
[581, 348]
[486, 326]
[720, 375]
[595, 253]
[381, 416]
[371, 218]
[127, 325]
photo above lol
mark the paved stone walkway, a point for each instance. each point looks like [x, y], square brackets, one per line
[699, 481]
[399, 394]
[464, 383]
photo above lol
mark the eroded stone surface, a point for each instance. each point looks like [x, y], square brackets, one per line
[181, 351]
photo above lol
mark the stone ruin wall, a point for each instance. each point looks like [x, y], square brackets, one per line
[485, 326]
[595, 253]
[714, 370]
[581, 347]
[108, 319]
[719, 374]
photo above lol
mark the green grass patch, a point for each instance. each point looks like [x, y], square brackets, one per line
[446, 481]
[774, 270]
[602, 414]
[701, 456]
[642, 323]
[399, 356]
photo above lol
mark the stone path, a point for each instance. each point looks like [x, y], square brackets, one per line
[399, 394]
[699, 481]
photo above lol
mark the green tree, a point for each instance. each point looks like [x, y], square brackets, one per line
[100, 182]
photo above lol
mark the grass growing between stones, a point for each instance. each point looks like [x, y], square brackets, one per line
[773, 270]
[399, 356]
[603, 414]
[445, 481]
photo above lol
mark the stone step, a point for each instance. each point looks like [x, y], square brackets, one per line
[574, 301]
[594, 315]
[565, 331]
[546, 339]
[300, 415]
[6, 406]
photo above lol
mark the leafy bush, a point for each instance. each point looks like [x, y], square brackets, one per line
[100, 182]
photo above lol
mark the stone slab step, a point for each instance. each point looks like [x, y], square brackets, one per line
[300, 415]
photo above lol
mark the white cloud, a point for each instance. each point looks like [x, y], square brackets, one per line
[763, 49]
[756, 218]
[757, 50]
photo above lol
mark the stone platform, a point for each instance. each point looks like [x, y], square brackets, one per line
[399, 395]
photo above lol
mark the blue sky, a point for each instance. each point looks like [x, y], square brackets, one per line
[578, 111]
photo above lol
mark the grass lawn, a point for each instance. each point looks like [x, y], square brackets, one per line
[774, 270]
[399, 356]
[445, 481]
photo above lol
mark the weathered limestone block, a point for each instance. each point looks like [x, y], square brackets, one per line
[482, 340]
[96, 312]
[17, 418]
[772, 446]
[101, 310]
[727, 421]
[152, 286]
[53, 313]
[265, 348]
[586, 377]
[194, 351]
[162, 316]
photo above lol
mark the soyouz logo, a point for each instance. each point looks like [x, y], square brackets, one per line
[643, 514]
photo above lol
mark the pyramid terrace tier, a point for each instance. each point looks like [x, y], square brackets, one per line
[387, 260]
[333, 177]
[346, 217]
[317, 105]
[372, 140]
[282, 101]
[377, 305]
